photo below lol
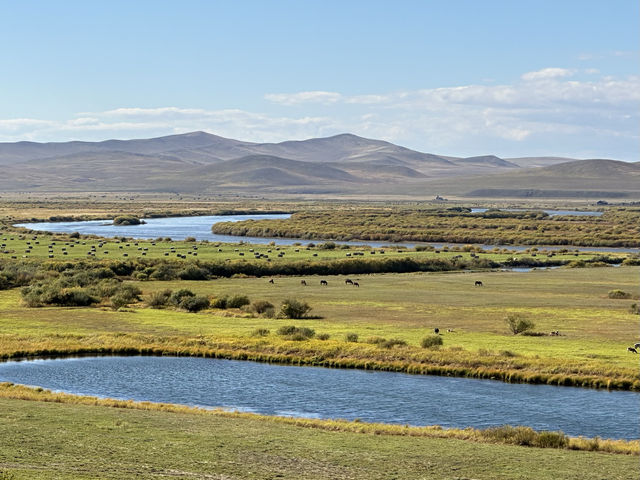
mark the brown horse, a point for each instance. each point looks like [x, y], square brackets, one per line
[303, 282]
[324, 282]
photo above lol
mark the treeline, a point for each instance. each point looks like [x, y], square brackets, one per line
[615, 228]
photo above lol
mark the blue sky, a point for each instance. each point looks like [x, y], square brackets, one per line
[511, 78]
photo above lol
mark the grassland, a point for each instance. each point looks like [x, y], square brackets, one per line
[72, 440]
[590, 350]
[615, 228]
[45, 438]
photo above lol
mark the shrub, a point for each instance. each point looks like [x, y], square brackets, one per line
[105, 288]
[179, 295]
[260, 332]
[129, 292]
[327, 246]
[193, 272]
[431, 341]
[159, 299]
[375, 340]
[190, 239]
[238, 301]
[292, 332]
[164, 271]
[351, 337]
[127, 220]
[74, 235]
[220, 302]
[119, 301]
[323, 336]
[292, 308]
[194, 304]
[548, 439]
[392, 342]
[261, 306]
[518, 324]
[524, 436]
[619, 294]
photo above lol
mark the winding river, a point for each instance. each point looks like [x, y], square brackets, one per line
[179, 228]
[326, 393]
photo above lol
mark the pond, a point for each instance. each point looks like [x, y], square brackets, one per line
[328, 393]
[179, 228]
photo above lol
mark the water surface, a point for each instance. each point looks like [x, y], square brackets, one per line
[329, 393]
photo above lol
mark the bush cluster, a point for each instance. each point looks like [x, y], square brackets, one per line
[431, 341]
[291, 332]
[518, 324]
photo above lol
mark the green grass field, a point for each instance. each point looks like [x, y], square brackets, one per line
[595, 330]
[44, 440]
[38, 245]
[67, 441]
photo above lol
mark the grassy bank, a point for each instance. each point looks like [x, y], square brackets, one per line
[507, 435]
[87, 438]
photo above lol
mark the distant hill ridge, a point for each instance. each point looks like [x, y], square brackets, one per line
[203, 162]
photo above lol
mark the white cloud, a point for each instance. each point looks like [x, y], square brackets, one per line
[551, 111]
[304, 97]
[546, 73]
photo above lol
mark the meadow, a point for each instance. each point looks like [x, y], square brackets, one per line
[42, 440]
[590, 350]
[404, 294]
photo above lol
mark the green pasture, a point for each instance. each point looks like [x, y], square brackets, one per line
[594, 328]
[16, 245]
[66, 441]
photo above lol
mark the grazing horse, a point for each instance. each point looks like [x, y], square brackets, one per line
[303, 282]
[637, 345]
[478, 283]
[324, 282]
[348, 282]
[356, 284]
[271, 280]
[632, 350]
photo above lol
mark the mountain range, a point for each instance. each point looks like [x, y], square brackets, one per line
[200, 162]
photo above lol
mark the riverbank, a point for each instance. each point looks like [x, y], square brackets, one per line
[71, 441]
[508, 435]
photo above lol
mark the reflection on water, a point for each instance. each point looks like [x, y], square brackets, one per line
[326, 393]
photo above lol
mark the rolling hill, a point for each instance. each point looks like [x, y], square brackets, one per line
[341, 164]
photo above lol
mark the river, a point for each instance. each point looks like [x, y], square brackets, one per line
[314, 392]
